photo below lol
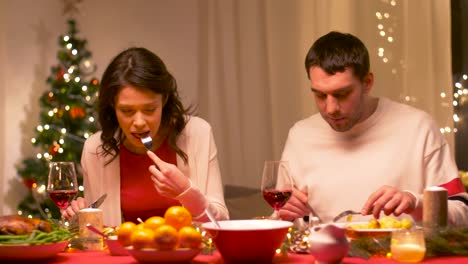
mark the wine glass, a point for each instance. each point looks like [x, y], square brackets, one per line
[276, 184]
[62, 185]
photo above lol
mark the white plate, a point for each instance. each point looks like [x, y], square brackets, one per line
[31, 252]
[161, 256]
[370, 232]
[350, 224]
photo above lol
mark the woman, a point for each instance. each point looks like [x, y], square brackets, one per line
[138, 98]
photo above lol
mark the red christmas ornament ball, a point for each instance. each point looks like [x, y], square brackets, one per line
[77, 112]
[29, 182]
[60, 73]
[53, 150]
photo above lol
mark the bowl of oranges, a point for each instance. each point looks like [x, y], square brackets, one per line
[167, 239]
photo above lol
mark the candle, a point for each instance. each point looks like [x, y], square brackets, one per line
[89, 239]
[408, 245]
[435, 207]
[408, 252]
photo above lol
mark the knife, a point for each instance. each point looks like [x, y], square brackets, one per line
[314, 214]
[98, 202]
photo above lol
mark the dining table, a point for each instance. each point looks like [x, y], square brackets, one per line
[103, 257]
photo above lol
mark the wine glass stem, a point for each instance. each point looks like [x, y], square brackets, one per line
[275, 215]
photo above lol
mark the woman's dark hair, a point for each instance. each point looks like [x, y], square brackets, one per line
[139, 68]
[335, 51]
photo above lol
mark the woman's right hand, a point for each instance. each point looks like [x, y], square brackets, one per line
[167, 178]
[75, 206]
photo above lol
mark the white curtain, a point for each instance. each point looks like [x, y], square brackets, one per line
[253, 84]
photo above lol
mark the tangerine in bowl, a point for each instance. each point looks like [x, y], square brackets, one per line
[168, 239]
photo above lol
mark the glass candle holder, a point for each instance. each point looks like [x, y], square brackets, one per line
[408, 245]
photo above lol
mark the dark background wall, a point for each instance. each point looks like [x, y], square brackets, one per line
[460, 67]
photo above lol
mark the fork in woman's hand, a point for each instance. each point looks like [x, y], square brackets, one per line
[148, 142]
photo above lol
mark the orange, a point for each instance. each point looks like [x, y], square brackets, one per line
[178, 217]
[189, 237]
[142, 238]
[140, 226]
[166, 237]
[124, 233]
[154, 222]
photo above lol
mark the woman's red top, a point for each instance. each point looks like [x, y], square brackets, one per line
[138, 196]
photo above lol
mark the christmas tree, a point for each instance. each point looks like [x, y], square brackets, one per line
[67, 118]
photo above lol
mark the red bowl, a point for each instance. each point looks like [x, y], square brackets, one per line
[248, 241]
[114, 247]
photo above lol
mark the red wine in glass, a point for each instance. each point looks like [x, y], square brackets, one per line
[62, 185]
[276, 199]
[276, 184]
[62, 198]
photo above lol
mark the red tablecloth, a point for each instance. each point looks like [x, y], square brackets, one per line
[103, 257]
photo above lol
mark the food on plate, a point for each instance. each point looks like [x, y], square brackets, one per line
[376, 227]
[109, 231]
[167, 233]
[385, 222]
[18, 225]
[18, 230]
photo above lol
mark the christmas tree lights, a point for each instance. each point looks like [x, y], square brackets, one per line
[67, 119]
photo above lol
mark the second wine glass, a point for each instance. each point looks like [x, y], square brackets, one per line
[276, 184]
[62, 184]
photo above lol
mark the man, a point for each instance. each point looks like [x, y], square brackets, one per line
[363, 152]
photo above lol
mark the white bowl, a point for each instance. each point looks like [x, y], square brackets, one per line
[328, 243]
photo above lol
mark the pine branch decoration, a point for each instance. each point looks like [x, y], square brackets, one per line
[448, 242]
[451, 241]
[366, 247]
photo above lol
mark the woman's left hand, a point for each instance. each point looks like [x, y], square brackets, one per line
[167, 178]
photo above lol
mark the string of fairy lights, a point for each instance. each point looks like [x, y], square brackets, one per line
[386, 27]
[459, 98]
[385, 32]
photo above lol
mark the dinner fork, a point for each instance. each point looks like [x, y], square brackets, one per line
[148, 142]
[345, 213]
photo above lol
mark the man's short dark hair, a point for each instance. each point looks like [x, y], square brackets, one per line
[335, 51]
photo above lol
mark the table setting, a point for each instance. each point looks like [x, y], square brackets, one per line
[175, 238]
